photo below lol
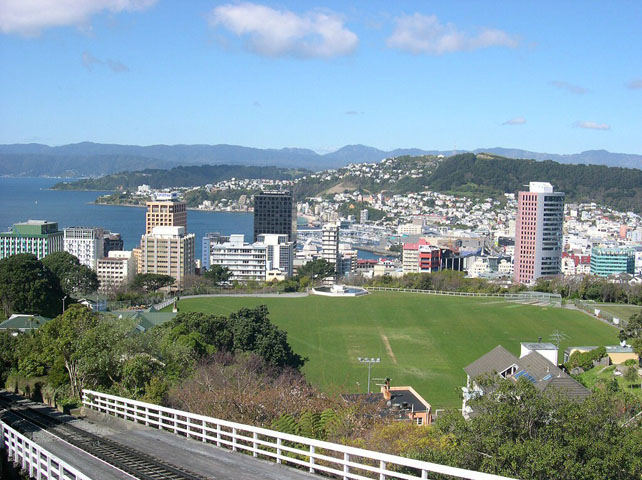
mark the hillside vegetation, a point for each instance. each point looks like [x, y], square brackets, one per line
[189, 176]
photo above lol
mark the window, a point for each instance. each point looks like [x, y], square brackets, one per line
[420, 421]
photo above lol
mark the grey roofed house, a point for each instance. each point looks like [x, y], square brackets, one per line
[532, 367]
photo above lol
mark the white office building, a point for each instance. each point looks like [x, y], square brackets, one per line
[86, 243]
[280, 253]
[330, 244]
[116, 270]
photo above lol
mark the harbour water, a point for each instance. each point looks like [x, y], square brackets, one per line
[31, 198]
[25, 198]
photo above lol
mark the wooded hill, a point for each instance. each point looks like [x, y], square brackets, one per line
[619, 188]
[188, 176]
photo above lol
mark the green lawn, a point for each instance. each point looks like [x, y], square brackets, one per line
[422, 340]
[623, 312]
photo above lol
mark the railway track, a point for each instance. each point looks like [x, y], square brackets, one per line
[135, 463]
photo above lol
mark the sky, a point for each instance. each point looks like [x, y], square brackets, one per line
[546, 76]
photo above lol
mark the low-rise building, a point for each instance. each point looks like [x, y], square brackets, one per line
[609, 261]
[116, 270]
[532, 366]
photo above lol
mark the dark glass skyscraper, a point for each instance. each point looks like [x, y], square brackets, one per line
[275, 212]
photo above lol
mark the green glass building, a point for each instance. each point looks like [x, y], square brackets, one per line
[608, 261]
[39, 237]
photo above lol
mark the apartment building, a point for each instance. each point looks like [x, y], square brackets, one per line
[85, 243]
[115, 270]
[165, 213]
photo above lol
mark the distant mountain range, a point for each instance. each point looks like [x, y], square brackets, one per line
[96, 159]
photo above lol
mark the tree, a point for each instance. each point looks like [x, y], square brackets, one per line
[150, 282]
[316, 270]
[217, 275]
[74, 277]
[64, 337]
[27, 286]
[631, 375]
[7, 354]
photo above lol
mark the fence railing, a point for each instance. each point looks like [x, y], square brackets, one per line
[314, 455]
[540, 296]
[34, 460]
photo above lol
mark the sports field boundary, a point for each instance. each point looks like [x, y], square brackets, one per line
[539, 298]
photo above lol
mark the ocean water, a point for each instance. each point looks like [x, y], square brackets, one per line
[22, 199]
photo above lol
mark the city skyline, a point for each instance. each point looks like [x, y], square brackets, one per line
[537, 76]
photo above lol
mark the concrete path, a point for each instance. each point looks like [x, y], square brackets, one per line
[257, 295]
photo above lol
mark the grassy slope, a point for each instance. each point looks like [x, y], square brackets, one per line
[431, 338]
[623, 312]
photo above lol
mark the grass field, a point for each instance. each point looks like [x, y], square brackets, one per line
[623, 312]
[422, 340]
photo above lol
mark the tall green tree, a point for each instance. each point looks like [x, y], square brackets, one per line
[316, 270]
[27, 286]
[217, 275]
[65, 336]
[74, 277]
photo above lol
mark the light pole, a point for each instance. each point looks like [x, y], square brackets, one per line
[369, 361]
[63, 303]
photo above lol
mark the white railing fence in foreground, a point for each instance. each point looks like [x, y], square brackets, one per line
[315, 455]
[35, 460]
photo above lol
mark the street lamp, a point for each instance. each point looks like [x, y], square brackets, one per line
[369, 361]
[63, 303]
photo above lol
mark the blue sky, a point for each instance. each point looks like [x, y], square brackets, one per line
[558, 77]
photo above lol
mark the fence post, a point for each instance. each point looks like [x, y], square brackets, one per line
[346, 467]
[278, 450]
[234, 439]
[382, 466]
[311, 459]
[254, 444]
[218, 434]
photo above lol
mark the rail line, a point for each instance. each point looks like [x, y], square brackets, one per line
[135, 463]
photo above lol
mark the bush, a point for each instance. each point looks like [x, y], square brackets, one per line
[585, 359]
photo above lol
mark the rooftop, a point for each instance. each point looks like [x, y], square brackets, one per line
[539, 345]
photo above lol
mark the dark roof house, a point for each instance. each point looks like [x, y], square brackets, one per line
[532, 367]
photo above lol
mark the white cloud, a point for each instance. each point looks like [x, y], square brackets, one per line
[424, 34]
[635, 84]
[275, 33]
[569, 87]
[30, 17]
[593, 125]
[515, 121]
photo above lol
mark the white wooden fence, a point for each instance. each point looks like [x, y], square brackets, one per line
[35, 460]
[522, 296]
[315, 455]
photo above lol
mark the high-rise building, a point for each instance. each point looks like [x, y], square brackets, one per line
[167, 251]
[538, 233]
[209, 239]
[85, 243]
[275, 212]
[330, 245]
[165, 213]
[421, 257]
[113, 242]
[609, 261]
[363, 215]
[38, 237]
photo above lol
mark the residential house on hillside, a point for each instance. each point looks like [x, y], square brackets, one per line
[19, 322]
[399, 403]
[532, 366]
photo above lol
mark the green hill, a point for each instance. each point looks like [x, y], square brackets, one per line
[186, 176]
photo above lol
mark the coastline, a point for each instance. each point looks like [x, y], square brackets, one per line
[133, 205]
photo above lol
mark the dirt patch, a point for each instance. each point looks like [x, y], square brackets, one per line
[386, 343]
